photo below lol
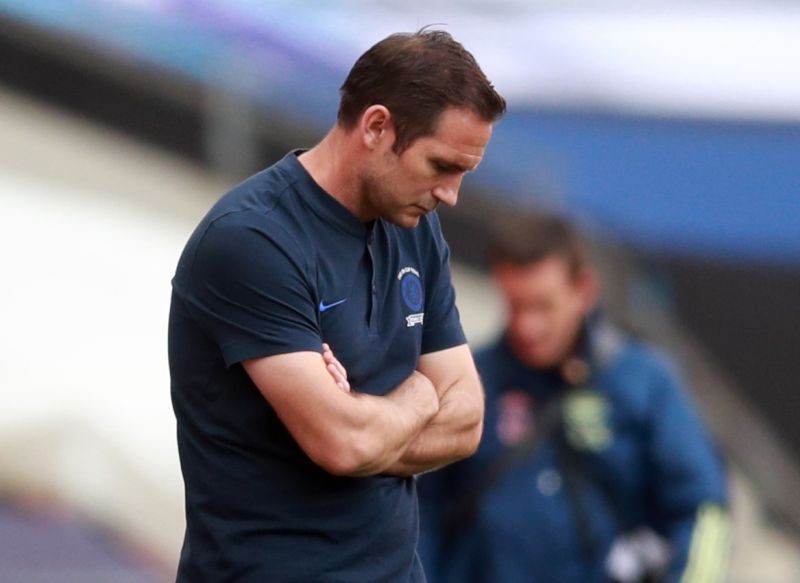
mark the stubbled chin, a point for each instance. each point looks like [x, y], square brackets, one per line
[408, 221]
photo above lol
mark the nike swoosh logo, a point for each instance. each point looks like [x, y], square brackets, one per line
[323, 307]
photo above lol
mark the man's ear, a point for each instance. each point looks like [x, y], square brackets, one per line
[589, 288]
[376, 126]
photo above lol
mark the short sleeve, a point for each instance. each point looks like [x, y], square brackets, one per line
[246, 283]
[442, 321]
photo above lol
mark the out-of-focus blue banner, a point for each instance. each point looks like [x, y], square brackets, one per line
[697, 153]
[216, 43]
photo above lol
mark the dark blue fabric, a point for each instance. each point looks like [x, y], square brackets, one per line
[279, 266]
[659, 467]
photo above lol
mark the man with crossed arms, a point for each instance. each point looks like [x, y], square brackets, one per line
[299, 465]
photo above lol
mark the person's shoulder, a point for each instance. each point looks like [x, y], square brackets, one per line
[615, 345]
[644, 374]
[242, 230]
[263, 205]
[646, 355]
[259, 194]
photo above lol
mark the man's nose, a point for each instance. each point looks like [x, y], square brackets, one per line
[447, 191]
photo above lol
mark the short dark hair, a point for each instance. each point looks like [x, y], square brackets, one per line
[523, 238]
[416, 76]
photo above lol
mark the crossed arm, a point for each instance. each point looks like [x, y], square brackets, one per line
[432, 418]
[455, 431]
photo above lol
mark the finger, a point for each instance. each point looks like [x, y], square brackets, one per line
[338, 378]
[339, 374]
[334, 373]
[330, 358]
[330, 366]
[340, 367]
[326, 351]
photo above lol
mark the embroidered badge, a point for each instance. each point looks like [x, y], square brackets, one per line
[412, 294]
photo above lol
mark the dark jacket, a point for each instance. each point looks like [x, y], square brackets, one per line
[628, 450]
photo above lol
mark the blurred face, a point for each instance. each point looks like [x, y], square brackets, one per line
[546, 306]
[401, 188]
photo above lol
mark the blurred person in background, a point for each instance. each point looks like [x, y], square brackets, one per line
[594, 465]
[299, 464]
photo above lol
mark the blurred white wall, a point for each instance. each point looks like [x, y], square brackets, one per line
[92, 228]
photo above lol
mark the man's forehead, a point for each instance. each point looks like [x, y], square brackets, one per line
[461, 156]
[462, 140]
[465, 152]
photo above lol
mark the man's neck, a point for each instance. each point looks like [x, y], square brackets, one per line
[333, 166]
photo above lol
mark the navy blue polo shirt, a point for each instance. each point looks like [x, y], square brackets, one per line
[279, 266]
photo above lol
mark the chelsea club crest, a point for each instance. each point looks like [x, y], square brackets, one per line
[412, 294]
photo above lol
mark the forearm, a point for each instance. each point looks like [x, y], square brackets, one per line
[452, 434]
[387, 426]
[345, 433]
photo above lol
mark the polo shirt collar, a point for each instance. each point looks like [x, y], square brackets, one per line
[321, 202]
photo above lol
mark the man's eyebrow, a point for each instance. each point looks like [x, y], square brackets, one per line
[451, 166]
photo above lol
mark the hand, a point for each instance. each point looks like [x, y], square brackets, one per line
[335, 368]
